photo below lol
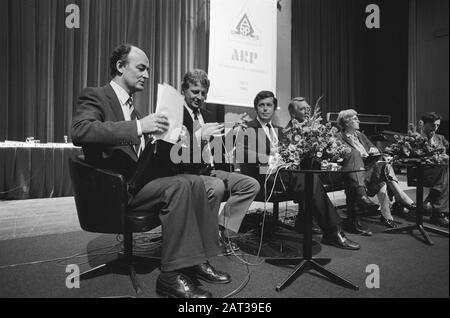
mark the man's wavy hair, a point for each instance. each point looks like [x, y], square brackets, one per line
[263, 95]
[195, 77]
[120, 53]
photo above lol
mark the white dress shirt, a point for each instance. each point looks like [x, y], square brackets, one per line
[123, 97]
[270, 132]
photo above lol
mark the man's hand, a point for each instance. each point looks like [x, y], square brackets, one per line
[374, 151]
[154, 124]
[211, 129]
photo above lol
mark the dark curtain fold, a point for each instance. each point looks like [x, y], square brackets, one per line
[335, 55]
[45, 65]
[325, 51]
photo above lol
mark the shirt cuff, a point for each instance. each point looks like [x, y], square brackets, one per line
[139, 129]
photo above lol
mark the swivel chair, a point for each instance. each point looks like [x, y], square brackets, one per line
[102, 202]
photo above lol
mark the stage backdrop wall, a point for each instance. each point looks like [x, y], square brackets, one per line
[44, 64]
[335, 55]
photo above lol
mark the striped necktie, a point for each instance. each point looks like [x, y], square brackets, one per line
[133, 116]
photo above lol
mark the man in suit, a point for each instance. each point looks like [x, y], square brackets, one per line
[299, 109]
[436, 177]
[240, 189]
[265, 104]
[113, 135]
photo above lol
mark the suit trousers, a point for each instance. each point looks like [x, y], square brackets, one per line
[240, 189]
[324, 211]
[437, 179]
[189, 229]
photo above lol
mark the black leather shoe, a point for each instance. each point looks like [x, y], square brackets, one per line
[365, 203]
[354, 226]
[228, 246]
[180, 287]
[439, 219]
[207, 273]
[403, 210]
[388, 223]
[338, 239]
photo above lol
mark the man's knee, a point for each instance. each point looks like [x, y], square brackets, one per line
[216, 189]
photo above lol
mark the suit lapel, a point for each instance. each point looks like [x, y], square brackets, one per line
[363, 140]
[114, 102]
[348, 140]
[257, 125]
[188, 122]
[117, 110]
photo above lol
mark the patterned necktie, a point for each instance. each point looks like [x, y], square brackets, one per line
[133, 116]
[204, 144]
[273, 136]
[197, 125]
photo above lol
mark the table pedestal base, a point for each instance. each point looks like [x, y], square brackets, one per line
[305, 264]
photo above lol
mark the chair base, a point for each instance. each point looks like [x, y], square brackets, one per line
[121, 262]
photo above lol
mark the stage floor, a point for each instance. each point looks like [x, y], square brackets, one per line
[43, 236]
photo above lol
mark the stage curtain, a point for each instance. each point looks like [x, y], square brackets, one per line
[45, 65]
[326, 51]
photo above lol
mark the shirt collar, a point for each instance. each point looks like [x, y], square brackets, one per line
[191, 112]
[350, 135]
[121, 93]
[262, 123]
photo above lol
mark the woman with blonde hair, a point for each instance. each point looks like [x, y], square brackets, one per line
[379, 175]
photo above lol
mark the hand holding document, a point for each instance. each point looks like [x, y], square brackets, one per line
[170, 104]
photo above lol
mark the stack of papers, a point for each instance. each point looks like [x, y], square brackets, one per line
[170, 103]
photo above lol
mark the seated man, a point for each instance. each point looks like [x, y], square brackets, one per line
[265, 104]
[112, 134]
[300, 110]
[436, 177]
[379, 175]
[202, 129]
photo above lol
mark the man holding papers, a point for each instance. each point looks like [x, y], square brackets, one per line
[240, 190]
[112, 134]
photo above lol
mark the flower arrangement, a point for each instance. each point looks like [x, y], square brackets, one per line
[416, 146]
[312, 141]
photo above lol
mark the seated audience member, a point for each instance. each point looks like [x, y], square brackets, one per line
[113, 134]
[300, 110]
[265, 104]
[242, 189]
[379, 175]
[437, 177]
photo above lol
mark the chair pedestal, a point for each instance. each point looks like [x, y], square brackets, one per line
[121, 263]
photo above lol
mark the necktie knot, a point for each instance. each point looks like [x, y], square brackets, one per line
[130, 102]
[196, 112]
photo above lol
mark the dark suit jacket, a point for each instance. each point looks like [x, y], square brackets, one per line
[252, 148]
[375, 174]
[107, 139]
[99, 127]
[367, 144]
[199, 167]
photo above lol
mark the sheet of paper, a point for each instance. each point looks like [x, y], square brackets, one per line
[170, 103]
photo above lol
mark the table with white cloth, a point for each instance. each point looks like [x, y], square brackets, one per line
[35, 170]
